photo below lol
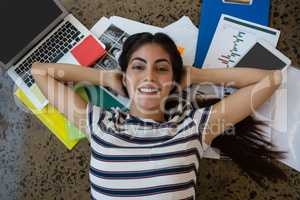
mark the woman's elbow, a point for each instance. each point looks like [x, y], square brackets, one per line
[276, 78]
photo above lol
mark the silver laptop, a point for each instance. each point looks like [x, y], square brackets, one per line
[35, 31]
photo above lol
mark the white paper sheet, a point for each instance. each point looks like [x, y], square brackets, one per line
[102, 24]
[132, 27]
[286, 128]
[234, 37]
[185, 35]
[183, 32]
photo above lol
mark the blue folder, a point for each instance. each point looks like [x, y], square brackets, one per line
[211, 11]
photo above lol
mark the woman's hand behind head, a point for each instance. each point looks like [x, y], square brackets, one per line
[115, 82]
[185, 80]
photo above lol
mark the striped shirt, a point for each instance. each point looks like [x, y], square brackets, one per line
[136, 158]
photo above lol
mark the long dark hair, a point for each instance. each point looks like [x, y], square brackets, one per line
[246, 147]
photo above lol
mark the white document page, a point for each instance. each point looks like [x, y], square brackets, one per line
[234, 37]
[185, 35]
[132, 27]
[286, 128]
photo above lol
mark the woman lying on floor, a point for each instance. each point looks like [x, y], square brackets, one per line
[152, 151]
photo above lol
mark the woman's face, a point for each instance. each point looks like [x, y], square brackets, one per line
[149, 78]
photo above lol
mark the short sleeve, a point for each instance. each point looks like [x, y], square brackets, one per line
[93, 114]
[200, 116]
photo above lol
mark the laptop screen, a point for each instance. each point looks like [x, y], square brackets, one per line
[21, 22]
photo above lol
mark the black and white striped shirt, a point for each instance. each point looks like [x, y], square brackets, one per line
[135, 158]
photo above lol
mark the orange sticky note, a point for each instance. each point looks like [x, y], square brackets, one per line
[181, 50]
[88, 51]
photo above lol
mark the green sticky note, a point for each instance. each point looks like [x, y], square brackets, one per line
[98, 96]
[74, 132]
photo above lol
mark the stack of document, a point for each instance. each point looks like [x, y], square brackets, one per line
[233, 37]
[211, 10]
[114, 30]
[233, 40]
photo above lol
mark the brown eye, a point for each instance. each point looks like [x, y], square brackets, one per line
[137, 67]
[162, 68]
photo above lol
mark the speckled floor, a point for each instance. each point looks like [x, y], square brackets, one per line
[35, 165]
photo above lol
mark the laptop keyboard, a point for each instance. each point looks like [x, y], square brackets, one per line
[51, 50]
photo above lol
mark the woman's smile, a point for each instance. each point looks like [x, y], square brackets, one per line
[149, 89]
[149, 77]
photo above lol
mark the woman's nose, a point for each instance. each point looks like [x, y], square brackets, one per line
[150, 76]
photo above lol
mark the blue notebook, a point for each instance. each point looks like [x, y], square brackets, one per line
[211, 10]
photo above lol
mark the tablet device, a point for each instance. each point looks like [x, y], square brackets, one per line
[262, 55]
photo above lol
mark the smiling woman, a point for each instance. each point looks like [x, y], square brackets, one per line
[149, 152]
[149, 79]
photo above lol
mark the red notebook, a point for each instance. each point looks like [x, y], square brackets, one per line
[88, 51]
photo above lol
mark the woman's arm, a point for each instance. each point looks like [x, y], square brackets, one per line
[51, 78]
[234, 77]
[242, 103]
[76, 73]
